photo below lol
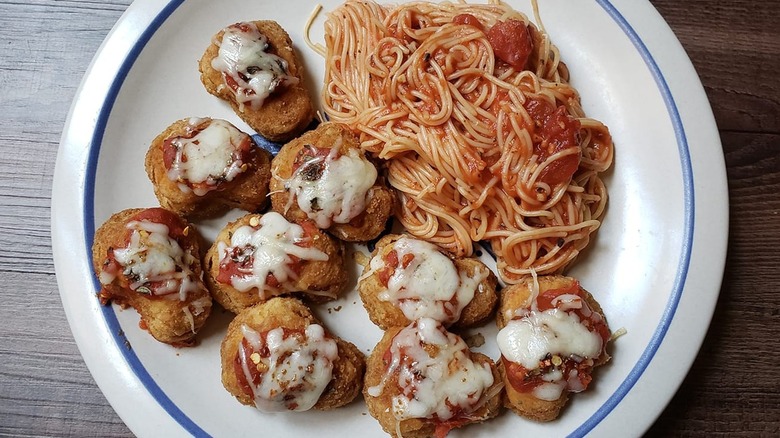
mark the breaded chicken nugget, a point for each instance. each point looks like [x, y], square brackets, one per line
[553, 333]
[422, 380]
[324, 176]
[201, 167]
[277, 357]
[252, 66]
[149, 259]
[408, 278]
[257, 257]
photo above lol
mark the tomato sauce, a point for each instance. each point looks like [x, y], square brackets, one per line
[162, 216]
[233, 85]
[512, 42]
[391, 263]
[170, 148]
[238, 263]
[468, 20]
[444, 427]
[257, 369]
[511, 39]
[254, 373]
[557, 131]
[314, 161]
[157, 215]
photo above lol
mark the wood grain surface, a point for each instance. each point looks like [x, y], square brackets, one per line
[733, 388]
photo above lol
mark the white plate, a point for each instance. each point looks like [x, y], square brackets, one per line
[655, 265]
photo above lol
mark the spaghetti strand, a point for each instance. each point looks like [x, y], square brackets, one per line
[480, 146]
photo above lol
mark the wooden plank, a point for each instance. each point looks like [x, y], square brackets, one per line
[734, 47]
[45, 387]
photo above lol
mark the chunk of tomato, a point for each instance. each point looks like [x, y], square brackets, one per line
[511, 42]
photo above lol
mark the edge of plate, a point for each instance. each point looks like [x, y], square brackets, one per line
[99, 346]
[700, 283]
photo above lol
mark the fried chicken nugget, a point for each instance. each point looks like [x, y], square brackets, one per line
[252, 66]
[422, 380]
[408, 278]
[277, 357]
[324, 176]
[553, 334]
[149, 259]
[258, 256]
[201, 167]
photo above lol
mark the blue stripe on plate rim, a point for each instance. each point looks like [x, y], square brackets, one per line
[633, 376]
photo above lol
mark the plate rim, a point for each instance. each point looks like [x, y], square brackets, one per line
[155, 12]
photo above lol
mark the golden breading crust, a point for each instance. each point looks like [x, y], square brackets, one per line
[165, 319]
[380, 407]
[515, 297]
[380, 203]
[248, 191]
[319, 280]
[287, 111]
[385, 314]
[290, 313]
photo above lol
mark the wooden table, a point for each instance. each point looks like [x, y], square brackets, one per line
[733, 388]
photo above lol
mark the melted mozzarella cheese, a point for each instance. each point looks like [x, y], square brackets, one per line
[208, 157]
[430, 285]
[296, 371]
[153, 256]
[549, 391]
[528, 340]
[272, 245]
[243, 57]
[441, 386]
[339, 194]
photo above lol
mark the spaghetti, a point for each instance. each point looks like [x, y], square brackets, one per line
[484, 138]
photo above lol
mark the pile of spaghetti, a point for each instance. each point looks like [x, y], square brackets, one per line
[484, 138]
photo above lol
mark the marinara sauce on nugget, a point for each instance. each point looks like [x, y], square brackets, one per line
[252, 66]
[408, 278]
[257, 257]
[422, 380]
[553, 334]
[201, 167]
[149, 259]
[324, 176]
